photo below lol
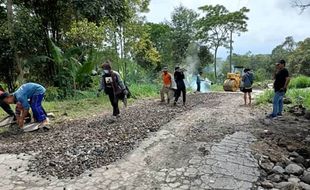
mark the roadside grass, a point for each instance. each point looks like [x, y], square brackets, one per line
[265, 97]
[300, 82]
[86, 103]
[144, 90]
[298, 97]
[77, 108]
[217, 87]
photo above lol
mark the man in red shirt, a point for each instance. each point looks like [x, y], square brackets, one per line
[167, 84]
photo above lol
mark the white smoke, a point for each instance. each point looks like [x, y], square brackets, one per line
[191, 66]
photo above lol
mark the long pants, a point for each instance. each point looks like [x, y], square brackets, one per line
[198, 87]
[114, 101]
[277, 103]
[39, 113]
[166, 90]
[6, 107]
[180, 88]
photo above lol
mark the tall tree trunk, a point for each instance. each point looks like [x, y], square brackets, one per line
[9, 7]
[230, 51]
[215, 54]
[10, 18]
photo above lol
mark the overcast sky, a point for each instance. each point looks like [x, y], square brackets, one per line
[270, 21]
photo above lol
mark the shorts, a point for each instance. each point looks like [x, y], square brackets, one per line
[246, 90]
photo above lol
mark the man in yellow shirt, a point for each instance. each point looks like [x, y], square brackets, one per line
[167, 84]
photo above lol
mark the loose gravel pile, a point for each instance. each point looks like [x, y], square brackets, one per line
[69, 149]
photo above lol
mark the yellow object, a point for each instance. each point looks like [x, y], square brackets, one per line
[232, 83]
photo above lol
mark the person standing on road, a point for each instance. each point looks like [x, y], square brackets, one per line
[198, 80]
[33, 92]
[167, 85]
[112, 84]
[280, 85]
[247, 80]
[179, 80]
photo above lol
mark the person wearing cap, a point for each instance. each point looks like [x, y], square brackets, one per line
[6, 107]
[167, 85]
[33, 92]
[280, 85]
[179, 80]
[112, 84]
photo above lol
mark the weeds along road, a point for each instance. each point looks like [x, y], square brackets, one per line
[205, 145]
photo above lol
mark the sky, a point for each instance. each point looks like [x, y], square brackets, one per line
[270, 21]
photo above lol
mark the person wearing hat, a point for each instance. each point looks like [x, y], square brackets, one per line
[112, 84]
[280, 85]
[179, 80]
[6, 107]
[167, 85]
[33, 92]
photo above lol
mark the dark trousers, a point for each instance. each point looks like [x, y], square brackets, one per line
[39, 113]
[178, 93]
[114, 101]
[6, 107]
[198, 87]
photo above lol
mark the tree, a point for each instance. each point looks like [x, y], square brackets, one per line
[182, 24]
[302, 5]
[145, 54]
[283, 50]
[214, 28]
[260, 64]
[85, 34]
[299, 59]
[160, 35]
[205, 56]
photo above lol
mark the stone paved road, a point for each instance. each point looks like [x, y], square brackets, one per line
[204, 148]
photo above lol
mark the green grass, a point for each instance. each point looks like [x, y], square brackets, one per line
[78, 108]
[265, 97]
[298, 96]
[217, 87]
[300, 82]
[86, 103]
[144, 90]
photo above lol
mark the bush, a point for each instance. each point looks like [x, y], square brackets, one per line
[300, 97]
[300, 82]
[52, 93]
[265, 97]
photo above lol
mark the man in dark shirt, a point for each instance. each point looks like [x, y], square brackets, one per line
[112, 84]
[6, 107]
[280, 85]
[179, 80]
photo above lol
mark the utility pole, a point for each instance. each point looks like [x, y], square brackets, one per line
[230, 51]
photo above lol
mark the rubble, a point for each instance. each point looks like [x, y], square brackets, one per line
[71, 148]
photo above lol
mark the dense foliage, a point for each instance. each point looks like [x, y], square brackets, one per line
[61, 44]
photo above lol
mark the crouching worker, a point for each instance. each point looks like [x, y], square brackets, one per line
[33, 92]
[6, 107]
[112, 84]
